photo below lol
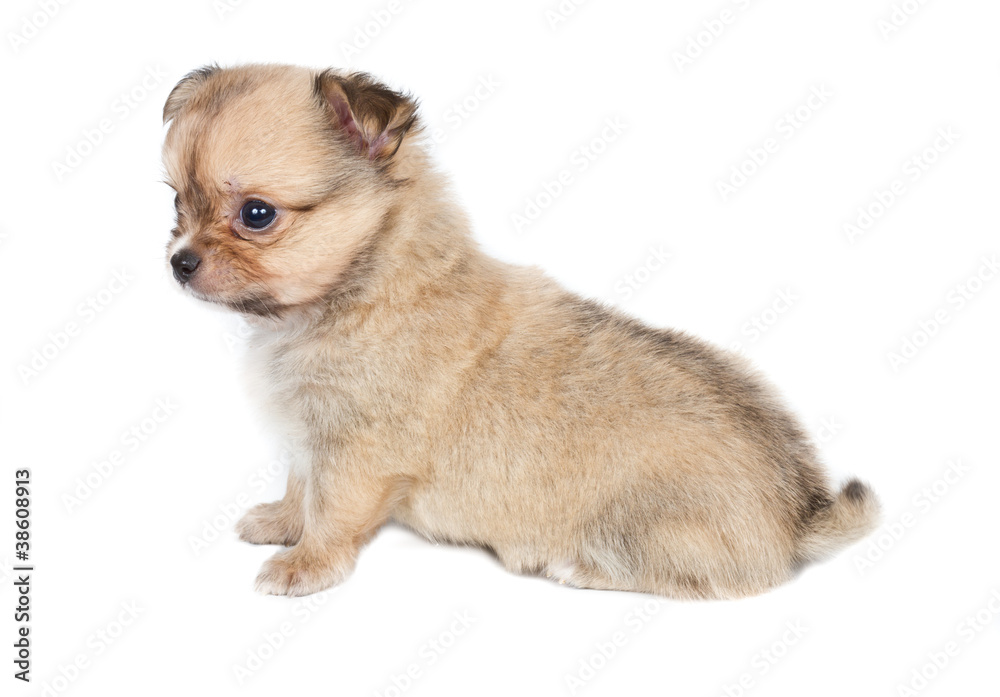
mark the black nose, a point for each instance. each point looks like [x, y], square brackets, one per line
[184, 262]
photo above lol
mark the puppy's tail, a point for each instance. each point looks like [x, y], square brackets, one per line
[854, 513]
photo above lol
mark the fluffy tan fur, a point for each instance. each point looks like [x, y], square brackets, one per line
[473, 401]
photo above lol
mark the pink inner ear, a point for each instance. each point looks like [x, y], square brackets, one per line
[346, 119]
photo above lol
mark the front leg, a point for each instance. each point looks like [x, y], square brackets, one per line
[277, 522]
[342, 509]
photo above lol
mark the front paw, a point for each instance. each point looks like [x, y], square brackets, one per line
[270, 524]
[298, 571]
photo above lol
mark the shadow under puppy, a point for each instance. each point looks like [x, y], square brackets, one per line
[474, 401]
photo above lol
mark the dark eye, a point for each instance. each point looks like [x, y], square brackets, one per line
[257, 215]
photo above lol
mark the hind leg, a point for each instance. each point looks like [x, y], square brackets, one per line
[565, 571]
[683, 577]
[581, 575]
[668, 584]
[709, 578]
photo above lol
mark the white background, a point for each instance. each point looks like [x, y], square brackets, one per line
[865, 621]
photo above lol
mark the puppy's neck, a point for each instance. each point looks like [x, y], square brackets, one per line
[423, 237]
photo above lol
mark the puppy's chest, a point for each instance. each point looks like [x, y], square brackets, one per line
[309, 389]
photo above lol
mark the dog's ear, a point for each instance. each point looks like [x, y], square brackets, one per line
[374, 118]
[183, 90]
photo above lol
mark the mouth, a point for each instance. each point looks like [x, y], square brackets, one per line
[255, 305]
[249, 304]
[250, 301]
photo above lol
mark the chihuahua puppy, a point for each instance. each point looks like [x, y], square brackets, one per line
[422, 381]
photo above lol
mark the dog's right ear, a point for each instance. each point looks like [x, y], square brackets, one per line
[183, 90]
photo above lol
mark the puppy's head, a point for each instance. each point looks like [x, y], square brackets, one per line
[284, 177]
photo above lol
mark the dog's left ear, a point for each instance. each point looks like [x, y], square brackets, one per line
[374, 118]
[183, 90]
